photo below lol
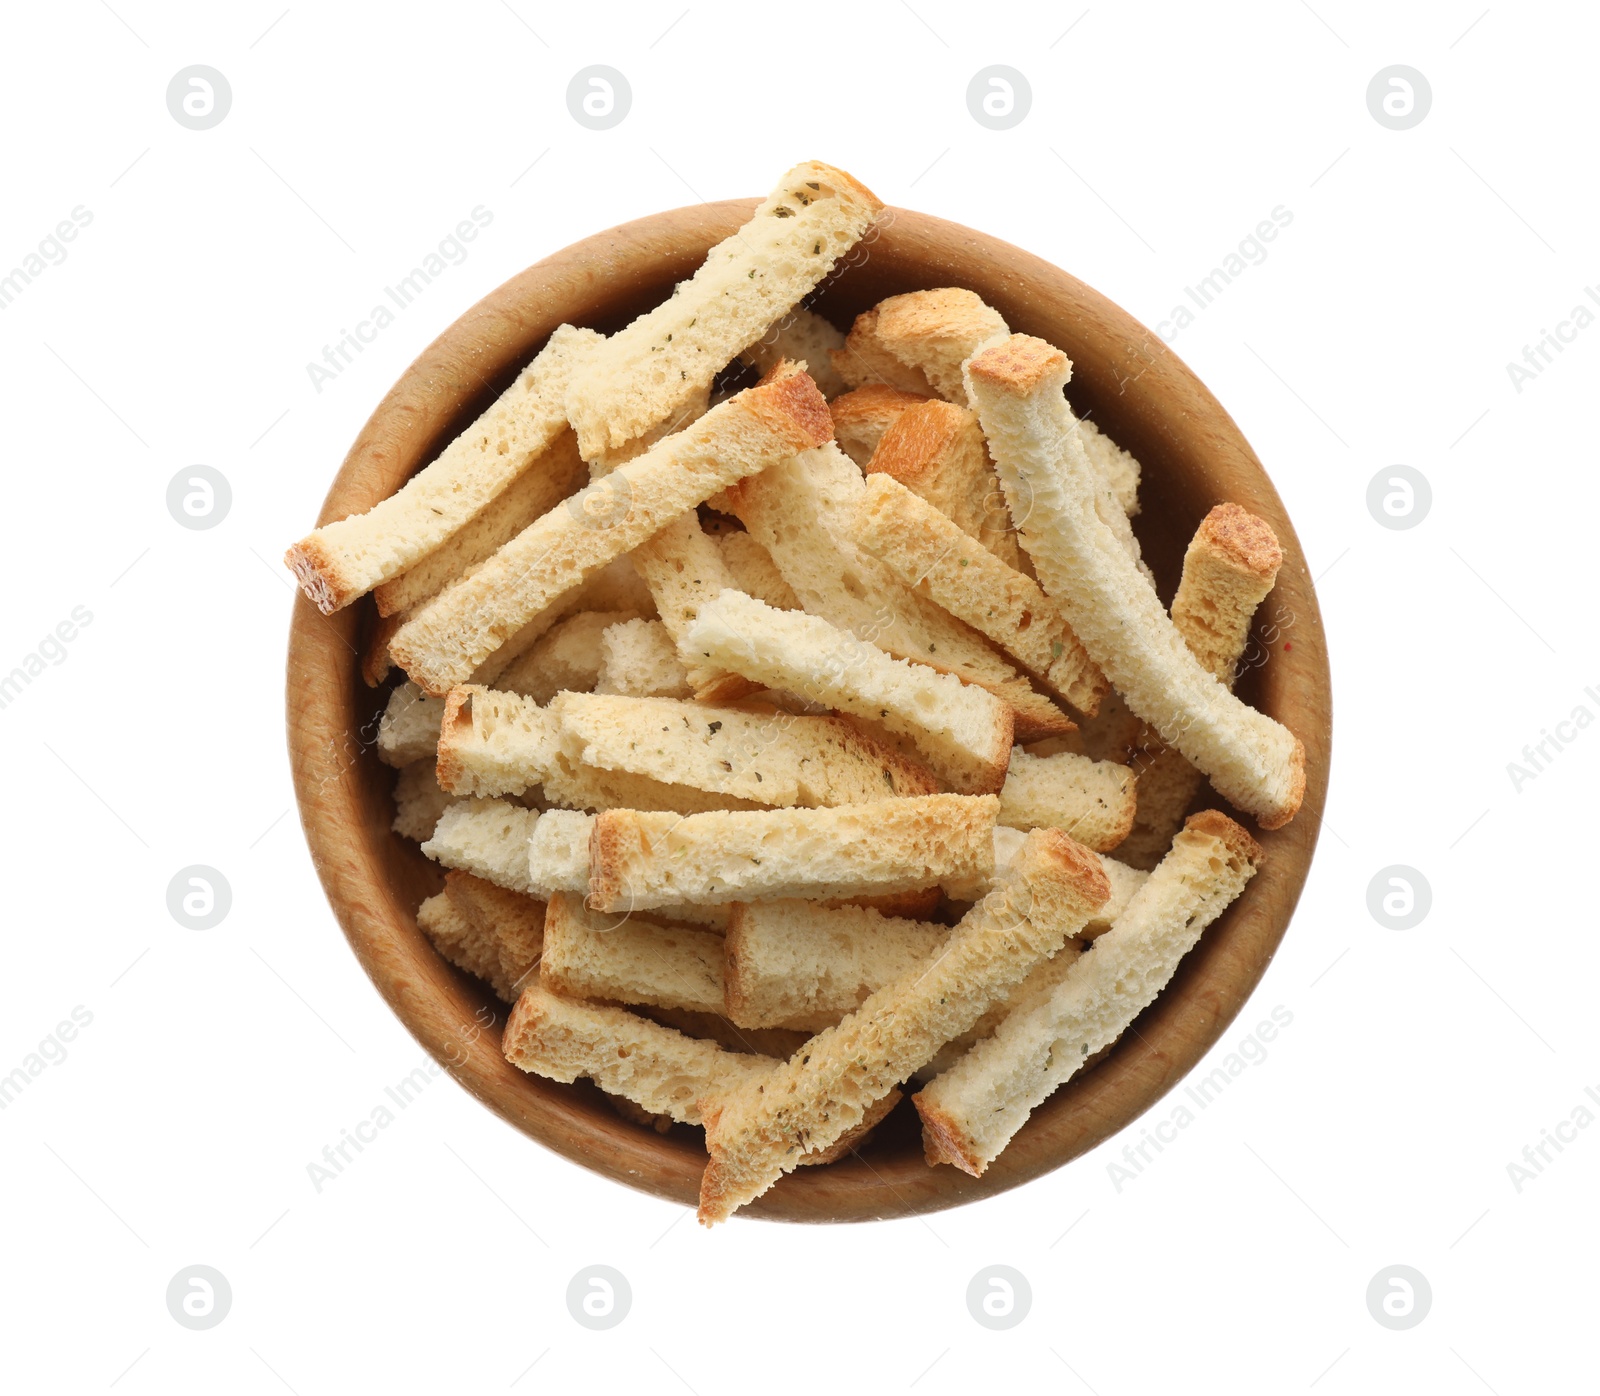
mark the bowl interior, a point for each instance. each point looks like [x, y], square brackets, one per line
[1134, 387]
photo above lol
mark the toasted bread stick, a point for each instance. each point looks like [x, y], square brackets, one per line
[662, 1071]
[640, 375]
[447, 639]
[865, 361]
[341, 561]
[937, 331]
[861, 416]
[927, 551]
[641, 860]
[1252, 760]
[973, 1110]
[656, 1067]
[1230, 566]
[799, 511]
[963, 732]
[631, 959]
[802, 963]
[1094, 801]
[509, 926]
[549, 478]
[937, 451]
[771, 759]
[755, 1135]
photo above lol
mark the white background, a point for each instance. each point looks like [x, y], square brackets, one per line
[1419, 1063]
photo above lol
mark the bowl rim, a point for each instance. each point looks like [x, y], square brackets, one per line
[1163, 412]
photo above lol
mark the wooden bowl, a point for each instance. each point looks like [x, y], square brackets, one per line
[1124, 376]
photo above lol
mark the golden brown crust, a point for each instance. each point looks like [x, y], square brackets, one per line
[511, 922]
[477, 896]
[866, 359]
[943, 1140]
[793, 403]
[784, 368]
[734, 499]
[716, 1183]
[1246, 541]
[948, 314]
[388, 599]
[454, 728]
[1124, 826]
[735, 986]
[446, 641]
[872, 402]
[318, 575]
[1217, 825]
[1297, 790]
[606, 857]
[1079, 866]
[1034, 718]
[918, 905]
[1020, 365]
[524, 1016]
[375, 661]
[916, 439]
[991, 776]
[834, 175]
[1005, 737]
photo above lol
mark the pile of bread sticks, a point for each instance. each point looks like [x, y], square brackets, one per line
[775, 695]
